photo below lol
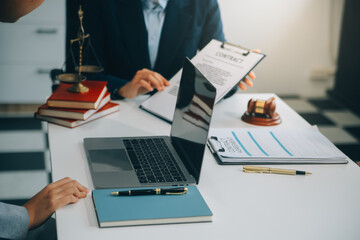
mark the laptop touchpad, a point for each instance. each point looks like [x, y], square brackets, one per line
[109, 160]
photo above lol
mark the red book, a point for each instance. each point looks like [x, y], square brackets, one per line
[71, 113]
[196, 120]
[71, 123]
[196, 109]
[62, 98]
[203, 102]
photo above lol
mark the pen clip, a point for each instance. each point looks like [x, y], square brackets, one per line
[177, 193]
[252, 171]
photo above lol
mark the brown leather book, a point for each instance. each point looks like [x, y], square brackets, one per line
[71, 113]
[62, 98]
[71, 123]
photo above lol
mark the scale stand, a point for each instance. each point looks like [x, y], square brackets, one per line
[77, 78]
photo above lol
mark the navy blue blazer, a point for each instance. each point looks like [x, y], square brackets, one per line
[119, 36]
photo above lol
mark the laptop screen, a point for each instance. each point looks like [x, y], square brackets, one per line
[192, 116]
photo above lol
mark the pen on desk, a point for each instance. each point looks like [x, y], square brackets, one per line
[252, 169]
[155, 191]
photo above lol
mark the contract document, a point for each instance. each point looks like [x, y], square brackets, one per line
[273, 146]
[223, 64]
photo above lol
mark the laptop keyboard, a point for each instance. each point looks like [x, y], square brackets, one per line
[153, 161]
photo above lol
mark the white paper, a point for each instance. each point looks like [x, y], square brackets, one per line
[273, 143]
[223, 67]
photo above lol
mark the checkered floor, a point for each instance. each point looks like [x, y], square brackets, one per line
[25, 158]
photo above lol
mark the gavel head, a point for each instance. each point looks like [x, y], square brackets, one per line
[262, 108]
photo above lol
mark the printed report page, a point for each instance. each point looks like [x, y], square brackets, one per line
[273, 143]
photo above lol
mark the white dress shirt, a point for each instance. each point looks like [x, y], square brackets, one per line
[154, 15]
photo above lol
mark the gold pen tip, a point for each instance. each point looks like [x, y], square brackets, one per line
[308, 173]
[114, 193]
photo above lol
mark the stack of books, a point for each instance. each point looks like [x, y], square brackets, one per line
[74, 109]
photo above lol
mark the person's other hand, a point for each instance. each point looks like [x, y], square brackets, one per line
[51, 198]
[144, 81]
[248, 79]
[12, 10]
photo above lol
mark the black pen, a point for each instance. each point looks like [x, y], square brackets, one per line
[155, 191]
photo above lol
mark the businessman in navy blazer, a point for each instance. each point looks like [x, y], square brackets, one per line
[121, 32]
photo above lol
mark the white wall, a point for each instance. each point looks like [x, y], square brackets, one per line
[298, 37]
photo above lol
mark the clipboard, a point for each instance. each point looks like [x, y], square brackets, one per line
[254, 146]
[224, 64]
[216, 147]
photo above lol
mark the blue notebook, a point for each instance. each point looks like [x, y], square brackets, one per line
[114, 211]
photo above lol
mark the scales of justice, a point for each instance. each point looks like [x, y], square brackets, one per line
[77, 78]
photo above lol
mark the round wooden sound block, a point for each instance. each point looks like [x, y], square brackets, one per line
[261, 121]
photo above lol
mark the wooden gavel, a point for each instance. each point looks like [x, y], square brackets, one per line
[262, 108]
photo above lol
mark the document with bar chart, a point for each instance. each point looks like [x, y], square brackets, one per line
[273, 146]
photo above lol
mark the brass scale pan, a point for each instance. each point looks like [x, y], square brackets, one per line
[75, 78]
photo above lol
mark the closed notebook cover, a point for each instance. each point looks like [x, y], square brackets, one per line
[71, 113]
[152, 209]
[61, 97]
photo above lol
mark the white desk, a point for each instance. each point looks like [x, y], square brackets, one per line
[324, 205]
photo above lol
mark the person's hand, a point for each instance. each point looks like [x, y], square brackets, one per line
[248, 79]
[51, 198]
[144, 81]
[12, 10]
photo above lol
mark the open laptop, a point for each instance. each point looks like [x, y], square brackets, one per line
[156, 161]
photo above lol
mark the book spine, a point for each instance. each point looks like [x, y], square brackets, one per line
[68, 104]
